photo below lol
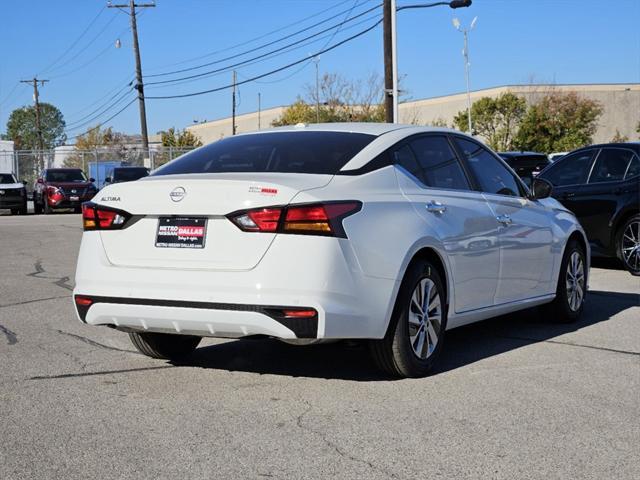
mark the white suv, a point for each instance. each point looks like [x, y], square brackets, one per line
[383, 232]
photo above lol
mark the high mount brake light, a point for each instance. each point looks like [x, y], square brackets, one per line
[97, 217]
[304, 219]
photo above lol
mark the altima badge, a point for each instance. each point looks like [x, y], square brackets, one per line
[177, 194]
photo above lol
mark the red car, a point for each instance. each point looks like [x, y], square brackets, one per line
[62, 188]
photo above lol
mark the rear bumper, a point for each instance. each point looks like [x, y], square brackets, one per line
[319, 273]
[13, 202]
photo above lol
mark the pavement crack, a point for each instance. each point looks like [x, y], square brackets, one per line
[34, 301]
[12, 338]
[39, 272]
[323, 436]
[571, 344]
[104, 372]
[93, 343]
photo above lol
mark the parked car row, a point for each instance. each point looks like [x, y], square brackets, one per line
[59, 189]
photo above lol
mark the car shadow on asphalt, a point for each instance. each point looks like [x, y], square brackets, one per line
[351, 361]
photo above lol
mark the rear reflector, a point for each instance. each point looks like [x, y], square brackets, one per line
[83, 301]
[306, 219]
[307, 313]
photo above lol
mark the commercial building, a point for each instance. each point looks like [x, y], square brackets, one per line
[620, 102]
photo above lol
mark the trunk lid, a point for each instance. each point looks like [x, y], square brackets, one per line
[211, 196]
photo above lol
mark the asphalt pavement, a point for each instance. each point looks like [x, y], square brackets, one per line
[515, 397]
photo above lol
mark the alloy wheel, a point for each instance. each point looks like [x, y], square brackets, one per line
[575, 281]
[425, 318]
[631, 246]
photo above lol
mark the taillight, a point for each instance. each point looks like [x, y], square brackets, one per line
[97, 217]
[55, 194]
[306, 219]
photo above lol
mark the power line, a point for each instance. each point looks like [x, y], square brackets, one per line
[297, 42]
[75, 42]
[119, 88]
[261, 47]
[268, 56]
[101, 108]
[257, 77]
[247, 42]
[105, 121]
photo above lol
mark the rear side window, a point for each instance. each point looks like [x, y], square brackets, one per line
[287, 152]
[633, 170]
[405, 158]
[572, 169]
[611, 165]
[439, 164]
[492, 175]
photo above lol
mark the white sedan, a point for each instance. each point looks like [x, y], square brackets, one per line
[383, 232]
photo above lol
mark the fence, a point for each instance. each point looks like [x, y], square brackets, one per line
[27, 164]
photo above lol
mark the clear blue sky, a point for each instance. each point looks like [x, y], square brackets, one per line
[515, 41]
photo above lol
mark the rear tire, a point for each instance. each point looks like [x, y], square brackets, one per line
[166, 346]
[414, 339]
[628, 245]
[571, 291]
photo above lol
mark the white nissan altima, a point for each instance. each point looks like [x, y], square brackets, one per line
[383, 232]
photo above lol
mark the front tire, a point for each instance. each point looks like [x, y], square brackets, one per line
[415, 336]
[571, 291]
[166, 346]
[628, 245]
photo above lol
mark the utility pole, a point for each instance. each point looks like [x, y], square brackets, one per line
[36, 99]
[388, 62]
[259, 109]
[233, 105]
[316, 60]
[136, 52]
[467, 65]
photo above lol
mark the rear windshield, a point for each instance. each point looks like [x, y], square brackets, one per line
[287, 152]
[7, 178]
[65, 176]
[130, 174]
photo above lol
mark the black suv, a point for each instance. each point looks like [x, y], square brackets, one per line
[526, 164]
[125, 174]
[13, 194]
[600, 185]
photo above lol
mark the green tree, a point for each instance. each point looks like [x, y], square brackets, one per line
[339, 100]
[99, 144]
[182, 139]
[497, 120]
[21, 127]
[559, 122]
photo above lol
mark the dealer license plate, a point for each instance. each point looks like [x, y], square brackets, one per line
[181, 232]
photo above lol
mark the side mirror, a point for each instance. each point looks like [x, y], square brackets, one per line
[40, 180]
[92, 179]
[541, 188]
[107, 180]
[23, 182]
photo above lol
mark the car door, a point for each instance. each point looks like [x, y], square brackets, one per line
[431, 176]
[526, 237]
[601, 197]
[568, 176]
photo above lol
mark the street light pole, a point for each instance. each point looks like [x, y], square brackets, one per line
[467, 65]
[390, 44]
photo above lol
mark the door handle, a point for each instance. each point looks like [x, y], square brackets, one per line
[436, 207]
[504, 219]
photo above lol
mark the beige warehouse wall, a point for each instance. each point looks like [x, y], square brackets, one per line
[621, 110]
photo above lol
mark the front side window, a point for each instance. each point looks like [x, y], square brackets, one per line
[611, 165]
[572, 169]
[439, 164]
[492, 175]
[288, 152]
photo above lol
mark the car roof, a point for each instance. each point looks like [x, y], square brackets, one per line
[516, 154]
[635, 145]
[370, 128]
